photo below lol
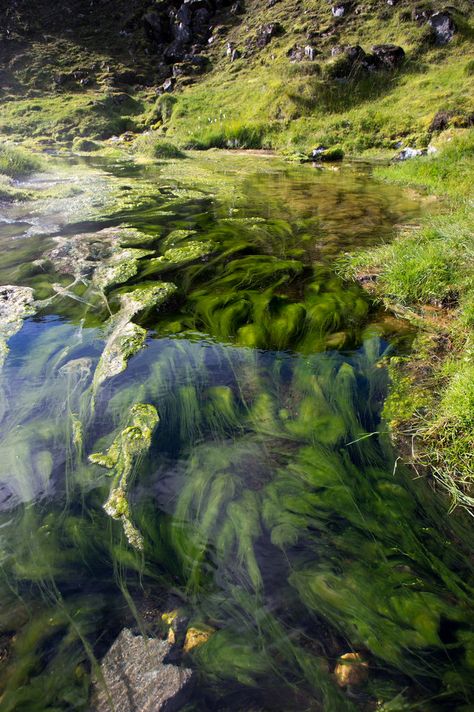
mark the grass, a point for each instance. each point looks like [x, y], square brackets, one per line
[428, 275]
[152, 146]
[16, 162]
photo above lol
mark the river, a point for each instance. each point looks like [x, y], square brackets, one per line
[191, 422]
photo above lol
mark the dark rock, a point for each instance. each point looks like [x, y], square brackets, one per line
[341, 9]
[272, 3]
[443, 27]
[348, 64]
[391, 56]
[445, 119]
[267, 32]
[310, 53]
[238, 8]
[168, 85]
[157, 26]
[441, 121]
[355, 53]
[138, 679]
[420, 14]
[235, 54]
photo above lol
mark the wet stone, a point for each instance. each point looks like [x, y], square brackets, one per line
[138, 679]
[16, 304]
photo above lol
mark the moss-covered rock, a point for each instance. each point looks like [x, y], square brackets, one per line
[130, 444]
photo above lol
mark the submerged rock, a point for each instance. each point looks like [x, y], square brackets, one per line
[195, 637]
[16, 304]
[121, 266]
[177, 256]
[136, 678]
[126, 338]
[351, 669]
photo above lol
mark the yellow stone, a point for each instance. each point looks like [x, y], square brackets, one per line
[169, 617]
[196, 637]
[351, 669]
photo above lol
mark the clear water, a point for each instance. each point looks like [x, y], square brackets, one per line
[267, 505]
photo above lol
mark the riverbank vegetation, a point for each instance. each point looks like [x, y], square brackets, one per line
[426, 275]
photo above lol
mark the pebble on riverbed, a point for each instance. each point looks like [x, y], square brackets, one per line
[351, 669]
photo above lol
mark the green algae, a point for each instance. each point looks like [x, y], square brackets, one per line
[119, 268]
[175, 257]
[131, 444]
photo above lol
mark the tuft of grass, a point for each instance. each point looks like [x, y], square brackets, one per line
[15, 162]
[153, 146]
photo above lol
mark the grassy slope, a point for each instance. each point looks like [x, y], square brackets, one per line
[267, 101]
[262, 100]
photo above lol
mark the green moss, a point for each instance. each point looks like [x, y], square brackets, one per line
[129, 445]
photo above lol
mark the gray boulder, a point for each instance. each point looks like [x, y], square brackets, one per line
[136, 678]
[407, 153]
[443, 27]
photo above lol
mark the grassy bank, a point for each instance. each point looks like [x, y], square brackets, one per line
[427, 276]
[15, 163]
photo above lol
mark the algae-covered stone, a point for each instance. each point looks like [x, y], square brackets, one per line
[176, 237]
[120, 267]
[127, 338]
[351, 669]
[178, 256]
[146, 296]
[16, 304]
[130, 444]
[195, 637]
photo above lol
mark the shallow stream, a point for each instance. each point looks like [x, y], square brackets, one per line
[191, 424]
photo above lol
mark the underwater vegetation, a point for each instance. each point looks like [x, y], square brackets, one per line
[214, 443]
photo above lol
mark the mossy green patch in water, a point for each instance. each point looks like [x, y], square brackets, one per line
[179, 256]
[127, 338]
[131, 444]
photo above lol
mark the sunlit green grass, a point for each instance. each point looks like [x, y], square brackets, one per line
[434, 265]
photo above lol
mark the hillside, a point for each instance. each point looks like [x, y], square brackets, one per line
[285, 74]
